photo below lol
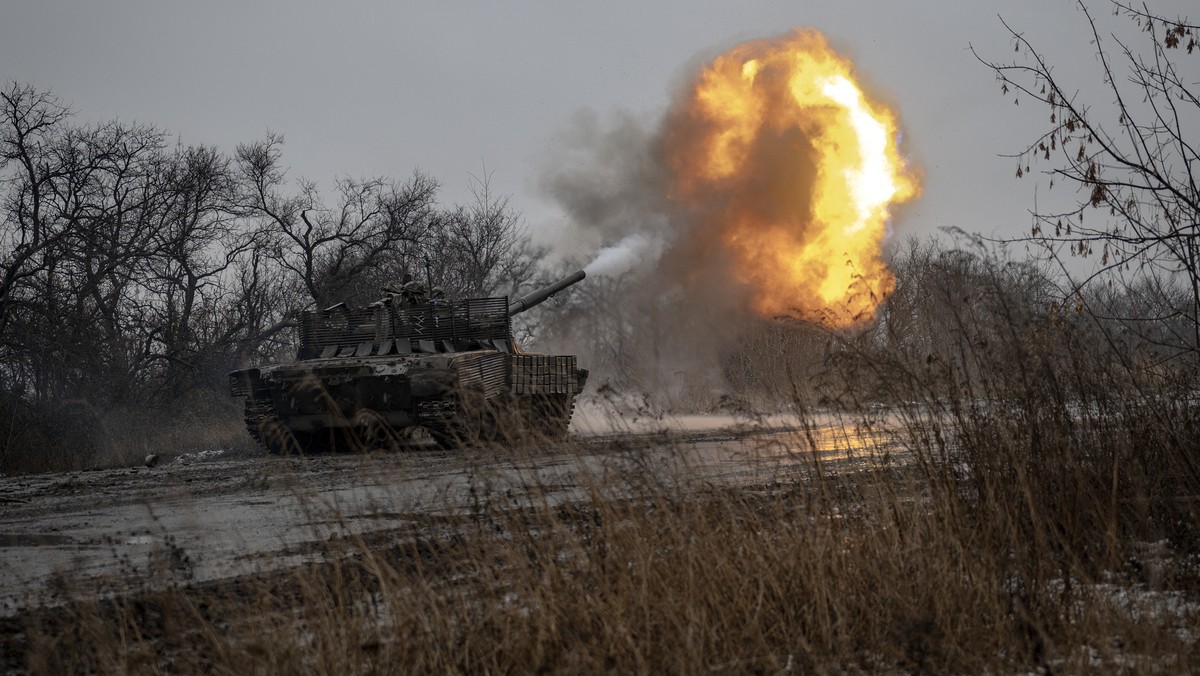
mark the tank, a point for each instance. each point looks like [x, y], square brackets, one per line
[365, 375]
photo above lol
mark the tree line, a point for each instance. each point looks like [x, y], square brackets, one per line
[136, 270]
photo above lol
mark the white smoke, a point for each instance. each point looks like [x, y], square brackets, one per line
[633, 251]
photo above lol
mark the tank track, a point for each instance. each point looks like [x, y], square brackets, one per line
[453, 424]
[544, 417]
[264, 427]
[441, 418]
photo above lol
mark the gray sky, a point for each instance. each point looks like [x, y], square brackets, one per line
[369, 87]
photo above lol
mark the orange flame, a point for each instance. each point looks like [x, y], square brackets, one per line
[796, 170]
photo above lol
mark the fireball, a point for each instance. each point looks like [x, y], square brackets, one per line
[793, 170]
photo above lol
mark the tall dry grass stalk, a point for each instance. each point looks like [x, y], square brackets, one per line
[957, 562]
[79, 436]
[1029, 504]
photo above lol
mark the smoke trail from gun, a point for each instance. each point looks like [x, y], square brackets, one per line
[634, 251]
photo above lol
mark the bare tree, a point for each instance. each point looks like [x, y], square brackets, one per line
[31, 118]
[135, 273]
[483, 248]
[117, 259]
[330, 251]
[1132, 162]
[83, 216]
[186, 284]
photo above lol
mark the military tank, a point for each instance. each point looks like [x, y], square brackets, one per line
[365, 375]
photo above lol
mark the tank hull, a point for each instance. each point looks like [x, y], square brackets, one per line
[363, 403]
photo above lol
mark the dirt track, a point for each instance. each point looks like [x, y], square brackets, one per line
[210, 516]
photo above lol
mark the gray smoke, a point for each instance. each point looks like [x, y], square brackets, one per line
[662, 307]
[608, 179]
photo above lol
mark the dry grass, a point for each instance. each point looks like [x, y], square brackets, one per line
[77, 435]
[1047, 521]
[977, 557]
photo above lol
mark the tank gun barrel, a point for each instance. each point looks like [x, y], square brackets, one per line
[543, 294]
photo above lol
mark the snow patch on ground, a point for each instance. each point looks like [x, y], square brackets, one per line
[200, 456]
[596, 418]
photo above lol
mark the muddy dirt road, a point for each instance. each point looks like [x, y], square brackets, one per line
[211, 515]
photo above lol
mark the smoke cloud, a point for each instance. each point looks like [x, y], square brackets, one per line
[607, 177]
[660, 310]
[764, 191]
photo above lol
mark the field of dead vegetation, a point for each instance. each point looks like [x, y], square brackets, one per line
[817, 543]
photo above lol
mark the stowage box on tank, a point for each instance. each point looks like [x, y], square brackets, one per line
[364, 374]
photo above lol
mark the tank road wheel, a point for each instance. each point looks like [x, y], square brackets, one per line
[371, 432]
[318, 441]
[265, 428]
[277, 439]
[450, 435]
[455, 422]
[444, 438]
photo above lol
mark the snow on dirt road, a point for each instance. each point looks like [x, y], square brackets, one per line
[210, 516]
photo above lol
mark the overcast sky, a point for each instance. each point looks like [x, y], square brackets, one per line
[371, 87]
